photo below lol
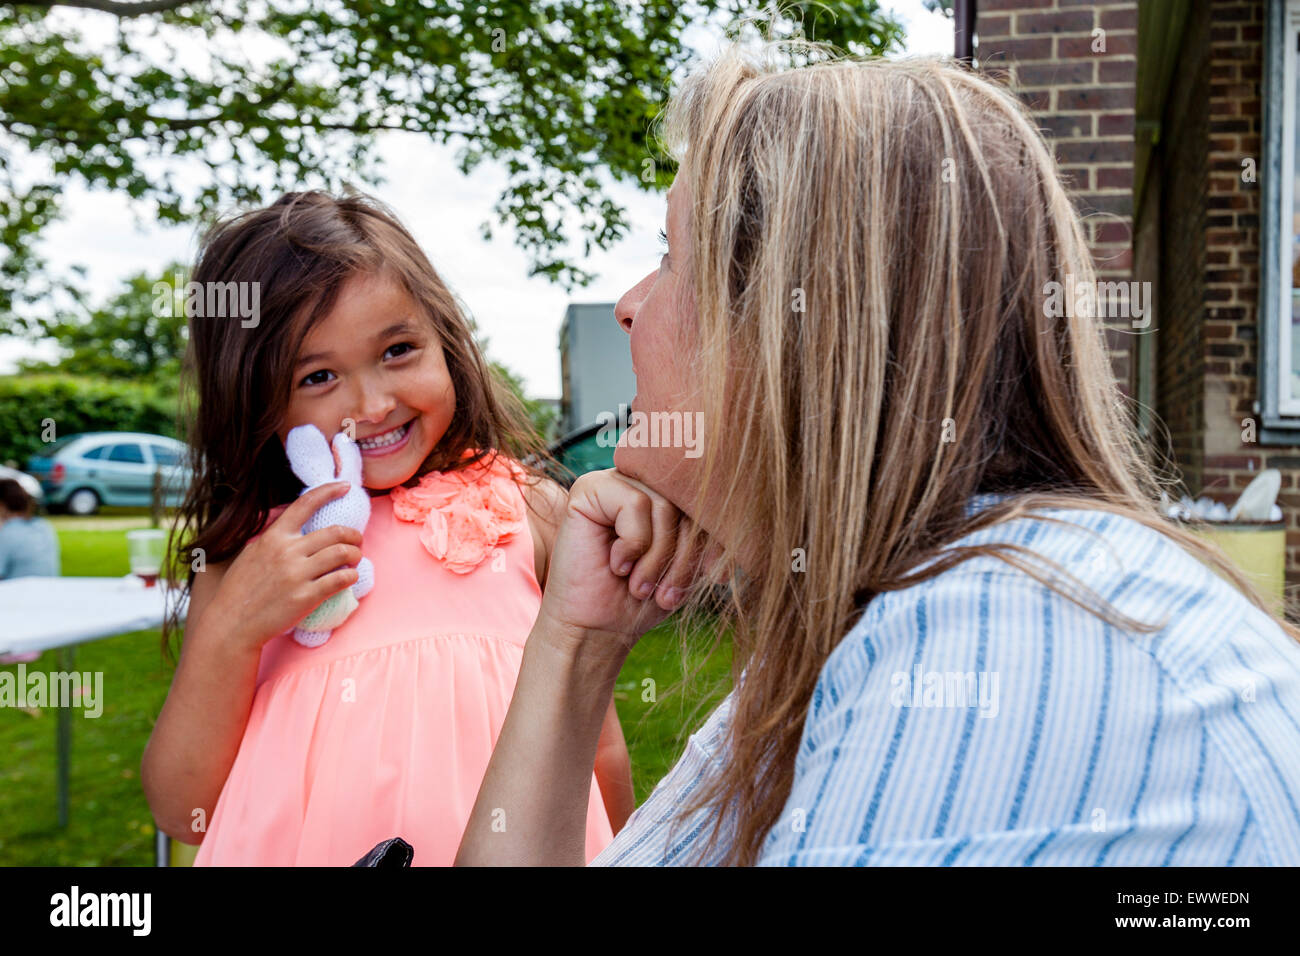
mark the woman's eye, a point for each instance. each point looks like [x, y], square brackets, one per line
[663, 238]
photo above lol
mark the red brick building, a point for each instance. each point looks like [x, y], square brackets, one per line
[1175, 122]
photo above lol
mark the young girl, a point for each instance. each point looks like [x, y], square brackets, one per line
[267, 752]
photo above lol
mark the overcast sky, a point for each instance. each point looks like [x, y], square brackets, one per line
[519, 316]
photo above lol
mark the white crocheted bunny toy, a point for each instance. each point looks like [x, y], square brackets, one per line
[312, 461]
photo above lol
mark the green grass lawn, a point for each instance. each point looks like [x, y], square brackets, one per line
[109, 822]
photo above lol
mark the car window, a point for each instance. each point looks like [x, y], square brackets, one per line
[130, 453]
[45, 451]
[163, 455]
[594, 452]
[96, 452]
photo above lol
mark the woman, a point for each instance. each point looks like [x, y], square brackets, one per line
[28, 545]
[966, 635]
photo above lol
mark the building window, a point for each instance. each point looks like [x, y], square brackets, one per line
[1286, 355]
[1279, 358]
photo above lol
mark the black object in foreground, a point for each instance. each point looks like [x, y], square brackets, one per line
[390, 855]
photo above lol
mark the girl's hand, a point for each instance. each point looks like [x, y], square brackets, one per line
[282, 575]
[616, 568]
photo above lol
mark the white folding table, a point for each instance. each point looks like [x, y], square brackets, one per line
[42, 613]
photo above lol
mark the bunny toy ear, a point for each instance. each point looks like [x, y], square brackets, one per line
[309, 455]
[349, 458]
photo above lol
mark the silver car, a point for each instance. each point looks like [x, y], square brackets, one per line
[81, 472]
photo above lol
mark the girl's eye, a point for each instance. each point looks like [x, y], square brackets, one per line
[408, 347]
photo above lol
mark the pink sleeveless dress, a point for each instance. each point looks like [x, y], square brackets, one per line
[386, 729]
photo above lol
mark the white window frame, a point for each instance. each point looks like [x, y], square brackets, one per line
[1277, 409]
[1287, 404]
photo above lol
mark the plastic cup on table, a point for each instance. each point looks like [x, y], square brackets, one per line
[145, 548]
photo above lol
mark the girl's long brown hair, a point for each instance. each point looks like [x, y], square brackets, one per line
[870, 246]
[236, 381]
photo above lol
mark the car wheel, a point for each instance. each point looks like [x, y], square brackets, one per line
[83, 501]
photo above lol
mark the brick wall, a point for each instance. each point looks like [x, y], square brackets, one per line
[1205, 267]
[1084, 100]
[1178, 171]
[1235, 54]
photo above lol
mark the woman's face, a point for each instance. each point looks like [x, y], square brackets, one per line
[375, 365]
[658, 313]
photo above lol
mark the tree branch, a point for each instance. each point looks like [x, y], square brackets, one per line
[67, 133]
[114, 7]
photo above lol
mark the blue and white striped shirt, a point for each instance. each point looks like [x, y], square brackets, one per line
[981, 718]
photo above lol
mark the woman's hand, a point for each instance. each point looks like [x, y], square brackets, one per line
[617, 559]
[283, 575]
[617, 568]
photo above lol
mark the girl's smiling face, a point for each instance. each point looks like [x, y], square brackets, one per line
[374, 360]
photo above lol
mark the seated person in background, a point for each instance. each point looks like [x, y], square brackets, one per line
[28, 545]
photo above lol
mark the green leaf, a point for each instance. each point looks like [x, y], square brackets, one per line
[548, 91]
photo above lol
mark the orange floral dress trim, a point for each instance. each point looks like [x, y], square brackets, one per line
[464, 514]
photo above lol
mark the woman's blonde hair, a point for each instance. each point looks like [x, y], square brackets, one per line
[871, 242]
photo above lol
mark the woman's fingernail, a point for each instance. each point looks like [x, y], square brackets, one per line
[673, 596]
[625, 568]
[643, 589]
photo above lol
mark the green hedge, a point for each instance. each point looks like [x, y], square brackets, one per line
[77, 405]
